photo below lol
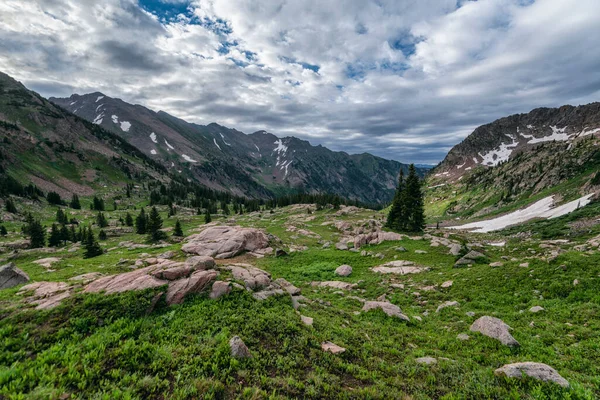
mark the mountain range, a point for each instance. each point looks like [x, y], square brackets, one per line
[258, 165]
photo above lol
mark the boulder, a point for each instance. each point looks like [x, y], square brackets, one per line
[200, 262]
[253, 278]
[46, 295]
[196, 283]
[341, 246]
[399, 267]
[470, 258]
[426, 360]
[308, 321]
[173, 273]
[11, 276]
[335, 285]
[494, 328]
[271, 290]
[536, 309]
[390, 309]
[447, 304]
[332, 348]
[343, 270]
[136, 280]
[220, 289]
[226, 241]
[288, 287]
[238, 348]
[533, 370]
[455, 249]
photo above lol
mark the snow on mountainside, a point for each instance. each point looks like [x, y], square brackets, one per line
[256, 165]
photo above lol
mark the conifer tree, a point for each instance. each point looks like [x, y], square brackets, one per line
[177, 231]
[101, 220]
[81, 235]
[226, 210]
[10, 206]
[97, 204]
[207, 217]
[92, 247]
[140, 223]
[75, 204]
[54, 240]
[64, 234]
[73, 234]
[102, 235]
[414, 201]
[36, 232]
[128, 220]
[3, 231]
[155, 225]
[395, 218]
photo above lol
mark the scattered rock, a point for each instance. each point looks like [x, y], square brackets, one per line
[536, 309]
[200, 262]
[11, 276]
[470, 314]
[494, 328]
[308, 321]
[576, 282]
[47, 262]
[447, 284]
[390, 309]
[226, 241]
[463, 337]
[288, 287]
[470, 258]
[335, 285]
[401, 249]
[239, 348]
[426, 360]
[196, 283]
[332, 348]
[447, 304]
[86, 278]
[219, 289]
[343, 270]
[46, 295]
[420, 252]
[399, 267]
[455, 249]
[497, 264]
[533, 370]
[524, 265]
[253, 278]
[167, 255]
[341, 246]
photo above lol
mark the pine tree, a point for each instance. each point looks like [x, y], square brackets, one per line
[226, 210]
[10, 206]
[101, 220]
[75, 204]
[97, 204]
[54, 240]
[414, 202]
[396, 216]
[102, 235]
[128, 220]
[92, 247]
[54, 198]
[207, 218]
[36, 232]
[140, 223]
[61, 218]
[155, 226]
[80, 235]
[177, 231]
[3, 231]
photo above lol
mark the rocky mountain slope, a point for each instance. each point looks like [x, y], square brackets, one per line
[257, 165]
[57, 151]
[518, 159]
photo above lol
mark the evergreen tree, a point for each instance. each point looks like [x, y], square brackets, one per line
[92, 247]
[72, 234]
[128, 220]
[207, 218]
[36, 232]
[3, 231]
[140, 223]
[155, 226]
[80, 235]
[54, 240]
[102, 235]
[97, 204]
[178, 231]
[75, 204]
[414, 202]
[54, 198]
[10, 206]
[226, 209]
[101, 220]
[396, 216]
[61, 218]
[114, 205]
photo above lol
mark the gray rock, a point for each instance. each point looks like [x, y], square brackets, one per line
[288, 287]
[533, 370]
[341, 246]
[447, 304]
[390, 309]
[426, 360]
[463, 337]
[536, 309]
[11, 276]
[308, 321]
[238, 348]
[220, 289]
[200, 262]
[455, 249]
[343, 270]
[496, 329]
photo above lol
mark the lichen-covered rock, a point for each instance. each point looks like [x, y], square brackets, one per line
[239, 348]
[533, 370]
[226, 241]
[494, 328]
[11, 276]
[136, 280]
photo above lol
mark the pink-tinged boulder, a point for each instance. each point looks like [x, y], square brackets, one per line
[253, 278]
[343, 270]
[226, 241]
[332, 348]
[196, 283]
[201, 262]
[399, 267]
[335, 285]
[220, 289]
[173, 273]
[390, 309]
[496, 329]
[136, 280]
[46, 295]
[533, 370]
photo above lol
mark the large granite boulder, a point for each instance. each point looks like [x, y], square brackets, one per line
[533, 370]
[196, 283]
[11, 276]
[496, 329]
[226, 241]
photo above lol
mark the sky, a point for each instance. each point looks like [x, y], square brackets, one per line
[402, 79]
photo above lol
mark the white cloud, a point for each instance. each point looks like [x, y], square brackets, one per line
[405, 79]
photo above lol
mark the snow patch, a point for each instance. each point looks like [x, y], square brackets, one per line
[73, 102]
[436, 186]
[153, 152]
[188, 159]
[501, 154]
[153, 137]
[125, 125]
[540, 209]
[217, 144]
[98, 119]
[115, 119]
[168, 145]
[281, 148]
[99, 107]
[585, 131]
[99, 98]
[223, 138]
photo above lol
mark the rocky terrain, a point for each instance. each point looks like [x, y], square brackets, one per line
[259, 164]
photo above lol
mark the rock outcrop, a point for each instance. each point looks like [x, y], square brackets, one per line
[533, 370]
[227, 241]
[11, 276]
[399, 267]
[390, 309]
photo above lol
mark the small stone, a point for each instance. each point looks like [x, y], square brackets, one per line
[420, 252]
[401, 249]
[343, 270]
[238, 348]
[536, 309]
[497, 264]
[447, 304]
[426, 360]
[524, 265]
[470, 314]
[463, 337]
[447, 284]
[332, 348]
[576, 282]
[308, 321]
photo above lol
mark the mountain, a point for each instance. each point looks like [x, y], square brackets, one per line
[257, 165]
[57, 151]
[516, 159]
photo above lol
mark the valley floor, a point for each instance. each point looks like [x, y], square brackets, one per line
[121, 347]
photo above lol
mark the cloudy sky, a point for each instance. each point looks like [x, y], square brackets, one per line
[403, 79]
